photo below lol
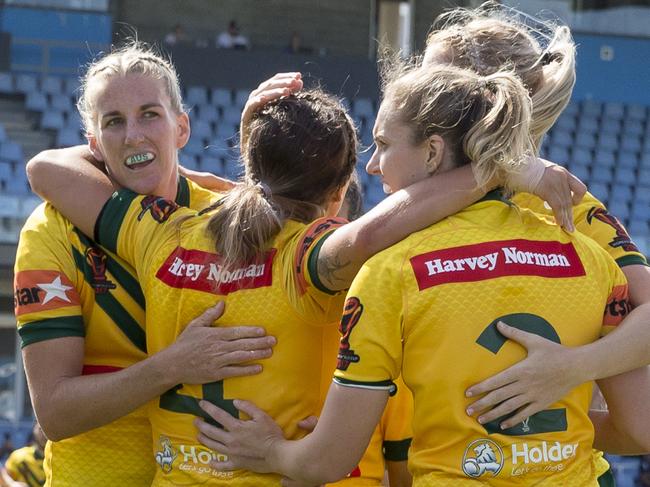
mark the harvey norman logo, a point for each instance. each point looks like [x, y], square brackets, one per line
[496, 259]
[203, 271]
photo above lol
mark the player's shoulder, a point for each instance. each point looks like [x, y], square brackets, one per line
[45, 220]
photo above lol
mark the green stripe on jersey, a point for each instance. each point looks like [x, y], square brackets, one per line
[312, 266]
[123, 277]
[631, 260]
[111, 217]
[183, 192]
[112, 307]
[64, 326]
[397, 451]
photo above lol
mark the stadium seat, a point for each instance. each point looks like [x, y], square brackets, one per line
[642, 193]
[71, 87]
[68, 136]
[3, 133]
[12, 151]
[621, 192]
[196, 96]
[638, 228]
[608, 142]
[566, 123]
[36, 101]
[636, 112]
[221, 97]
[232, 169]
[644, 161]
[26, 83]
[600, 191]
[363, 107]
[581, 156]
[6, 171]
[208, 113]
[62, 103]
[571, 109]
[226, 131]
[73, 120]
[231, 115]
[604, 158]
[627, 160]
[588, 124]
[592, 108]
[631, 143]
[557, 154]
[51, 85]
[217, 147]
[602, 175]
[613, 111]
[212, 164]
[7, 84]
[619, 209]
[632, 127]
[610, 126]
[9, 206]
[194, 147]
[201, 129]
[562, 138]
[241, 97]
[624, 176]
[585, 140]
[29, 204]
[580, 171]
[640, 210]
[52, 120]
[643, 179]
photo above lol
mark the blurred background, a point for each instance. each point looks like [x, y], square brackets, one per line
[224, 48]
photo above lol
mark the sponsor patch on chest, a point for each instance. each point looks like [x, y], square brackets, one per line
[203, 271]
[489, 260]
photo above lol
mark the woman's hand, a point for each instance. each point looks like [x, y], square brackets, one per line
[205, 353]
[247, 444]
[548, 373]
[282, 84]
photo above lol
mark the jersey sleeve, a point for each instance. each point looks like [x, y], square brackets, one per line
[134, 226]
[46, 296]
[396, 424]
[11, 465]
[618, 303]
[310, 296]
[370, 352]
[593, 220]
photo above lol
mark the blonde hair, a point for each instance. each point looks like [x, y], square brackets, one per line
[482, 119]
[301, 150]
[133, 58]
[492, 38]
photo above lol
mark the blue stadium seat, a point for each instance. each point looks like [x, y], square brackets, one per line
[374, 193]
[564, 139]
[68, 136]
[638, 228]
[196, 96]
[592, 108]
[581, 156]
[619, 209]
[632, 127]
[221, 97]
[208, 113]
[9, 205]
[36, 101]
[604, 158]
[231, 115]
[602, 175]
[642, 193]
[363, 107]
[232, 169]
[566, 123]
[643, 179]
[571, 109]
[636, 112]
[600, 191]
[226, 131]
[3, 133]
[585, 140]
[26, 83]
[588, 124]
[627, 160]
[51, 85]
[640, 210]
[624, 176]
[194, 147]
[610, 126]
[557, 154]
[622, 192]
[608, 142]
[52, 120]
[62, 103]
[241, 97]
[613, 111]
[29, 204]
[7, 84]
[73, 120]
[580, 171]
[644, 161]
[201, 129]
[71, 87]
[212, 164]
[6, 171]
[12, 151]
[217, 147]
[631, 143]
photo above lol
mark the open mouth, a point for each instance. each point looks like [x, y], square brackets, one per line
[137, 161]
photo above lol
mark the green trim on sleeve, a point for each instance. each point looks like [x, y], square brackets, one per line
[183, 192]
[631, 260]
[382, 385]
[607, 479]
[39, 331]
[312, 266]
[397, 451]
[110, 219]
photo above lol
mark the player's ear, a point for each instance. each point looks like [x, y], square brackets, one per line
[183, 130]
[94, 147]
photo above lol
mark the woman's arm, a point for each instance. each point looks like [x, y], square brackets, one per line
[523, 387]
[326, 455]
[71, 180]
[68, 403]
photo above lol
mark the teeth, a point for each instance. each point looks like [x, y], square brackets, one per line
[139, 158]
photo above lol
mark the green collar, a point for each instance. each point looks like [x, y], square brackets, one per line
[183, 192]
[495, 195]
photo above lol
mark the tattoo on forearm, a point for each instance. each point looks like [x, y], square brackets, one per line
[331, 269]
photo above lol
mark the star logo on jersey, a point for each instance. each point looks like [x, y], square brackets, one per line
[482, 456]
[55, 289]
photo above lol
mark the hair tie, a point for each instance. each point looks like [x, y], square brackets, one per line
[264, 189]
[547, 58]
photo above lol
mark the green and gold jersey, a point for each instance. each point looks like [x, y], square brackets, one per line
[26, 465]
[428, 307]
[392, 436]
[592, 219]
[181, 276]
[68, 286]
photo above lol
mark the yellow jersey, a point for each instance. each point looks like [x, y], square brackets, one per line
[26, 465]
[392, 437]
[428, 307]
[67, 285]
[182, 275]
